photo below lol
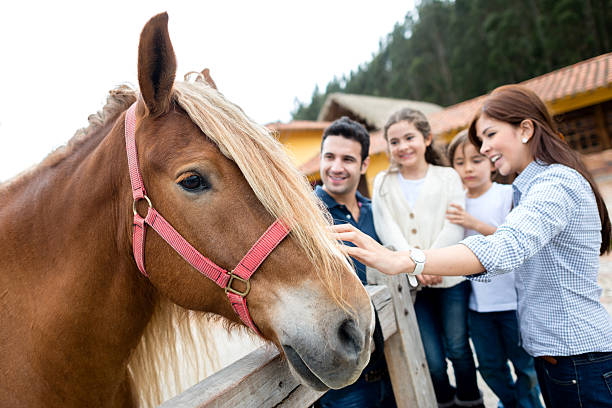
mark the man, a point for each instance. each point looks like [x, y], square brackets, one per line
[344, 158]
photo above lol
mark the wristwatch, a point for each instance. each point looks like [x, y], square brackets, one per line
[418, 257]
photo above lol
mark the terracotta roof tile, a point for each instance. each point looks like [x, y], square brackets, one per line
[454, 117]
[582, 77]
[573, 80]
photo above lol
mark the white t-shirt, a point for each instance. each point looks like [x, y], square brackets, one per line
[410, 188]
[492, 207]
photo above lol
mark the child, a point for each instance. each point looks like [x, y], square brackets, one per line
[492, 306]
[409, 205]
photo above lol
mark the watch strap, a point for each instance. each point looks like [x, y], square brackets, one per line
[418, 268]
[418, 257]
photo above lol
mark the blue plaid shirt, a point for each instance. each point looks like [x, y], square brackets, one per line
[551, 239]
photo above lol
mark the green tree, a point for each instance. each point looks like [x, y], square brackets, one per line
[449, 51]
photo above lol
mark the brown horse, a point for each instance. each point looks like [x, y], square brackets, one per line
[81, 325]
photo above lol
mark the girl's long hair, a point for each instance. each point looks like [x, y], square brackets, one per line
[513, 104]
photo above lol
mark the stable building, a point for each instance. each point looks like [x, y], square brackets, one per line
[579, 97]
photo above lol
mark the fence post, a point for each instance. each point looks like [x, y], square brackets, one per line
[404, 352]
[262, 379]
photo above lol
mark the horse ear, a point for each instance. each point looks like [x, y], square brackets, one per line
[156, 65]
[208, 78]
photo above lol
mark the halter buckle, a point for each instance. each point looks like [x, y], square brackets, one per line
[229, 288]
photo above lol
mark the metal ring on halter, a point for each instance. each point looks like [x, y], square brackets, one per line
[137, 200]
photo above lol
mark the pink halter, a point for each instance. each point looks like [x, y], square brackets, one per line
[242, 272]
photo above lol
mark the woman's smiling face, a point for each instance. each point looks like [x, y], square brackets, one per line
[503, 143]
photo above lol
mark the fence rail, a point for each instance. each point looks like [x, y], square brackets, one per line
[263, 379]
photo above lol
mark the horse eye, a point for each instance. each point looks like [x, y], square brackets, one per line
[194, 183]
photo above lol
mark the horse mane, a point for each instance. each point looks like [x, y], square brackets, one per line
[177, 348]
[284, 192]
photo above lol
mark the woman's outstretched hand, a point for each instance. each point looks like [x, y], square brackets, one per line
[455, 260]
[370, 252]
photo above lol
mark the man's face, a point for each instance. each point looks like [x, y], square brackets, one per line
[341, 166]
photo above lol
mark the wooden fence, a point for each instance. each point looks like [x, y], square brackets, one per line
[263, 379]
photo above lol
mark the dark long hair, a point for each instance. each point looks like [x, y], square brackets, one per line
[513, 104]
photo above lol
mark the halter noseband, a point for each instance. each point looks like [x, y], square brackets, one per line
[242, 272]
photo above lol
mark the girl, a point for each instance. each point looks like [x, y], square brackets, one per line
[492, 306]
[409, 205]
[551, 239]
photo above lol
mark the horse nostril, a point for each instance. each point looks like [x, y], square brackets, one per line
[351, 338]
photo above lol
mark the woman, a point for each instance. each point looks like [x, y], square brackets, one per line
[492, 306]
[551, 239]
[409, 205]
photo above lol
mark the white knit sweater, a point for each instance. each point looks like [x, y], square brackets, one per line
[425, 226]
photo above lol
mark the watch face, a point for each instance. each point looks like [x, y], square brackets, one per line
[417, 256]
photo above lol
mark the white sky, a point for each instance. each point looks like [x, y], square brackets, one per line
[60, 58]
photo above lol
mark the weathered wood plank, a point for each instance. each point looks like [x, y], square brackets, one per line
[381, 299]
[404, 352]
[301, 396]
[260, 379]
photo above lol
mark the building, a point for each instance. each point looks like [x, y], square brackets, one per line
[579, 96]
[371, 111]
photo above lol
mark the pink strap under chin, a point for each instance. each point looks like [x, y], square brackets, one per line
[245, 268]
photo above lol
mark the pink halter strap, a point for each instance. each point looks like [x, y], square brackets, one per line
[242, 272]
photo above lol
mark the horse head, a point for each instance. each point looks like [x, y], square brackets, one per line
[221, 180]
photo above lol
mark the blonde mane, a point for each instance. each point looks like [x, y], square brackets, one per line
[177, 349]
[284, 192]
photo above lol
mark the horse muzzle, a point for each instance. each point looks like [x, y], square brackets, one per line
[329, 352]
